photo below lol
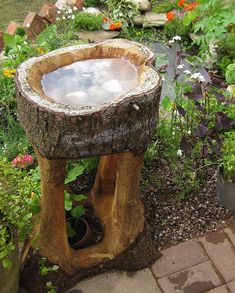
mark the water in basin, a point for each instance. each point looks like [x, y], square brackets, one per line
[90, 82]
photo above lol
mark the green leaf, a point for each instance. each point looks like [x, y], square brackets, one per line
[6, 263]
[167, 103]
[9, 40]
[190, 17]
[78, 197]
[78, 211]
[67, 202]
[76, 171]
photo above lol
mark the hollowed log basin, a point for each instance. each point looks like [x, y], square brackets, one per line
[118, 130]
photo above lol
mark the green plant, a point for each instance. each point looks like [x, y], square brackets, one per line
[19, 200]
[228, 156]
[226, 51]
[176, 27]
[122, 10]
[211, 20]
[140, 34]
[163, 6]
[92, 3]
[230, 74]
[88, 21]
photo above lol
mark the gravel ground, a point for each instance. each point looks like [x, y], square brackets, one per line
[175, 220]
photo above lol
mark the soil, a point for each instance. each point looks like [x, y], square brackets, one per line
[174, 220]
[171, 219]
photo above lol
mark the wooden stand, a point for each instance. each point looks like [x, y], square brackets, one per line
[115, 201]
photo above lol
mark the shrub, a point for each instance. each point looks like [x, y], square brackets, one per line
[230, 74]
[88, 21]
[177, 27]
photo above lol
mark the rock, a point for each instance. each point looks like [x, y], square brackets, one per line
[92, 10]
[49, 12]
[70, 3]
[150, 19]
[143, 5]
[12, 27]
[1, 41]
[97, 36]
[34, 24]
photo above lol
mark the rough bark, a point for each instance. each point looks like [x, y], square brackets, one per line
[62, 131]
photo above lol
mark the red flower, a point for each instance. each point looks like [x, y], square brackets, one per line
[181, 3]
[191, 6]
[170, 15]
[112, 27]
[22, 161]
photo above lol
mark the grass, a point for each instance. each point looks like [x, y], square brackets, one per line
[16, 10]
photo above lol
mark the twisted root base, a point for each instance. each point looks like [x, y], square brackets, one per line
[127, 242]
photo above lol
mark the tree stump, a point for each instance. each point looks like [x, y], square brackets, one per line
[119, 131]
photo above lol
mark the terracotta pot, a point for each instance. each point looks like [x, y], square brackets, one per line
[83, 233]
[225, 192]
[9, 278]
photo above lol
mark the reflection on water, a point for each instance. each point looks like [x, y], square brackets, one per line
[90, 82]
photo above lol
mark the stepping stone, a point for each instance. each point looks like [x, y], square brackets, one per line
[97, 36]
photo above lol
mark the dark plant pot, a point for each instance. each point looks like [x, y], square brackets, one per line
[226, 192]
[9, 278]
[83, 233]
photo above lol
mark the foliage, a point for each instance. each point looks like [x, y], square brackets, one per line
[230, 74]
[177, 27]
[163, 6]
[88, 21]
[228, 156]
[211, 20]
[19, 199]
[226, 51]
[92, 3]
[191, 127]
[122, 10]
[140, 34]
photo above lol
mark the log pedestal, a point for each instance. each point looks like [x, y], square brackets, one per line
[118, 131]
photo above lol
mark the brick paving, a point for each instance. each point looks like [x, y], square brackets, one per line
[205, 264]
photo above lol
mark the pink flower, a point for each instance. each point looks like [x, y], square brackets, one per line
[22, 161]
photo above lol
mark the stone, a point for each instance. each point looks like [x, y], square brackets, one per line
[231, 286]
[220, 289]
[34, 24]
[1, 41]
[143, 5]
[49, 12]
[221, 252]
[92, 10]
[119, 282]
[179, 257]
[12, 27]
[231, 229]
[150, 19]
[70, 3]
[97, 36]
[199, 278]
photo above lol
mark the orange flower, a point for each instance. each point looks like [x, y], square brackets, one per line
[191, 6]
[105, 19]
[118, 24]
[181, 3]
[170, 15]
[112, 27]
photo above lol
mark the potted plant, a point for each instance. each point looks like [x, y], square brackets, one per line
[77, 227]
[226, 174]
[17, 202]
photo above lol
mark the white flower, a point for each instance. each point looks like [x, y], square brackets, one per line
[173, 133]
[163, 78]
[69, 16]
[57, 18]
[189, 132]
[70, 10]
[63, 17]
[72, 17]
[198, 76]
[187, 71]
[181, 66]
[58, 12]
[27, 25]
[75, 8]
[176, 38]
[171, 41]
[179, 153]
